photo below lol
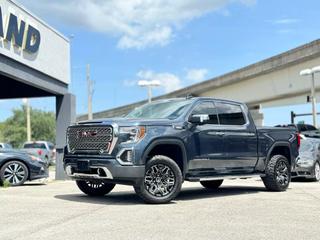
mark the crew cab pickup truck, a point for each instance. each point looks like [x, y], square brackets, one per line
[161, 144]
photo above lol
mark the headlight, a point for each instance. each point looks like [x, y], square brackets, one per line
[34, 158]
[133, 134]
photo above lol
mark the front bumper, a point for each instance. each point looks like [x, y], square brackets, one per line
[302, 172]
[38, 171]
[108, 170]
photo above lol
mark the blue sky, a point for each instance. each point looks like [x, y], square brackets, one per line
[180, 42]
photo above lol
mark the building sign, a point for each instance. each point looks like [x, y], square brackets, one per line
[32, 42]
[20, 33]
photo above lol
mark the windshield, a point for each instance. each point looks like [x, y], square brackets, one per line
[170, 109]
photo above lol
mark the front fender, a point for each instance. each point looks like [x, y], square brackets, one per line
[170, 141]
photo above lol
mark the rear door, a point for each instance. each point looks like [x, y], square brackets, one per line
[240, 137]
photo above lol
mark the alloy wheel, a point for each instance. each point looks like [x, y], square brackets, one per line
[14, 173]
[159, 180]
[95, 184]
[282, 173]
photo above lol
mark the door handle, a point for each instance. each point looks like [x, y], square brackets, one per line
[216, 133]
[220, 133]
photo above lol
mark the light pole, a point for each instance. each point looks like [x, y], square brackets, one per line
[149, 85]
[90, 91]
[27, 104]
[307, 72]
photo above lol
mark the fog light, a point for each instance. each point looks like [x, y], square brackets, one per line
[69, 170]
[125, 156]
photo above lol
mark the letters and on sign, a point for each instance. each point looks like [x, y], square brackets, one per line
[19, 33]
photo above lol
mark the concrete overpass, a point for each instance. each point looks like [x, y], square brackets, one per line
[272, 82]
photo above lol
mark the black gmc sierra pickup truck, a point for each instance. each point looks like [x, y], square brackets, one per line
[159, 145]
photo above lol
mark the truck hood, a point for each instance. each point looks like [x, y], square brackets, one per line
[130, 122]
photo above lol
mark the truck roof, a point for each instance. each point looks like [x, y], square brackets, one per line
[199, 98]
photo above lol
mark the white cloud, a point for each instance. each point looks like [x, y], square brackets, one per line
[286, 31]
[196, 75]
[284, 21]
[169, 82]
[130, 83]
[136, 23]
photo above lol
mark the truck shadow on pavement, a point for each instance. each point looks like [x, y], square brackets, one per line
[186, 194]
[302, 180]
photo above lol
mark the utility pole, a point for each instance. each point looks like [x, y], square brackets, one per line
[27, 105]
[314, 101]
[90, 92]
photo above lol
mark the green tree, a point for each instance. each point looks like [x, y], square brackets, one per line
[14, 130]
[1, 131]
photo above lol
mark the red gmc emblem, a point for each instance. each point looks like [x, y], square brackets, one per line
[85, 134]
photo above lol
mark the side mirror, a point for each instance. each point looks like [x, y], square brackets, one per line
[198, 118]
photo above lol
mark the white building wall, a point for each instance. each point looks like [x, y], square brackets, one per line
[53, 56]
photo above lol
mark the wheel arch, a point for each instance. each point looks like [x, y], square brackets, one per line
[175, 145]
[281, 148]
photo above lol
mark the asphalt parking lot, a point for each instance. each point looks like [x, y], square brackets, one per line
[241, 209]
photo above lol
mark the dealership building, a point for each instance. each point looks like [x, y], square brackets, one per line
[35, 62]
[272, 82]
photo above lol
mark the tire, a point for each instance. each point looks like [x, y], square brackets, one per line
[214, 184]
[162, 181]
[316, 172]
[15, 172]
[277, 174]
[95, 188]
[46, 159]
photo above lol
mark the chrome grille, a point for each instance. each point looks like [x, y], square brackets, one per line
[89, 139]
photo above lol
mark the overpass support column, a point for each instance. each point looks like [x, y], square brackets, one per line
[257, 115]
[65, 115]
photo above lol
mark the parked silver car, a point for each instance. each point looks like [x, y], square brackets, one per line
[5, 145]
[308, 161]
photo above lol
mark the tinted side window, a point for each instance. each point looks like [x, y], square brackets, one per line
[310, 127]
[230, 114]
[206, 108]
[35, 145]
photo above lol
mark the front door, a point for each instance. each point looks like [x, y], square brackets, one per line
[207, 141]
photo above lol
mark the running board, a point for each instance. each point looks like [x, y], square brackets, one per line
[242, 176]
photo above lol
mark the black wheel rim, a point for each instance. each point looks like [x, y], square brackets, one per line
[14, 173]
[159, 180]
[95, 185]
[282, 173]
